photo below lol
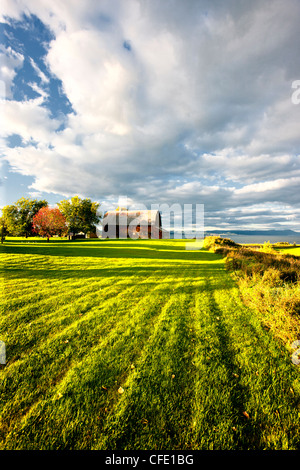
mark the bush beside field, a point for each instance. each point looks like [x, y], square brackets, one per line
[217, 244]
[269, 283]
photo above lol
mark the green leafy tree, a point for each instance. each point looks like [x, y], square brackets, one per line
[18, 216]
[3, 229]
[81, 214]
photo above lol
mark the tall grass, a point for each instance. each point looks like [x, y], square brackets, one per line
[269, 282]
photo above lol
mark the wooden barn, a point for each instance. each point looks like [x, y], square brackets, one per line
[133, 224]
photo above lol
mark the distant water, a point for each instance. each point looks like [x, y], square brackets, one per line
[254, 239]
[262, 238]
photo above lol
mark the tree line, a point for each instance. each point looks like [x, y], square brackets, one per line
[29, 217]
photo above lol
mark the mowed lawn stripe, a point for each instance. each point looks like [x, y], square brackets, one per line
[72, 307]
[51, 359]
[164, 355]
[61, 291]
[154, 411]
[55, 310]
[90, 384]
[219, 402]
[243, 378]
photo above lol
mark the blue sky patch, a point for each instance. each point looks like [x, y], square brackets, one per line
[31, 38]
[127, 45]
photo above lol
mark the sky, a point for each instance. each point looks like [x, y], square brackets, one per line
[156, 102]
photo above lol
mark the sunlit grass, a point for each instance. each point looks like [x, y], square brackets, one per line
[291, 251]
[124, 344]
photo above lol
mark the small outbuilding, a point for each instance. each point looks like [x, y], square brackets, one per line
[75, 236]
[133, 224]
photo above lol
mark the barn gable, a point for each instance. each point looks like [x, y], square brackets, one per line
[133, 224]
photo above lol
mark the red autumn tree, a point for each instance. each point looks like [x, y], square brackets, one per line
[48, 222]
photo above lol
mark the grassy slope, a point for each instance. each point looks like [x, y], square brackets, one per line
[82, 319]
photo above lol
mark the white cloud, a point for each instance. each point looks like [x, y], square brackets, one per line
[10, 61]
[39, 72]
[199, 106]
[29, 120]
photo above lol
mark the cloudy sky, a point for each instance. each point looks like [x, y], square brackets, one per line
[173, 101]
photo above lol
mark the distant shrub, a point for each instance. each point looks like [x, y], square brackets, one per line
[279, 244]
[267, 248]
[222, 250]
[209, 242]
[214, 243]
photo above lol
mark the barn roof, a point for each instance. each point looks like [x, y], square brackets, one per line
[143, 217]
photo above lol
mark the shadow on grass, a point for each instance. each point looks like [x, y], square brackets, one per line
[135, 275]
[252, 429]
[116, 249]
[153, 259]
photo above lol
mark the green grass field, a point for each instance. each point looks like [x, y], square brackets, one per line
[291, 251]
[127, 344]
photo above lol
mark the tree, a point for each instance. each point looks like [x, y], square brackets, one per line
[3, 229]
[18, 216]
[48, 222]
[81, 214]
